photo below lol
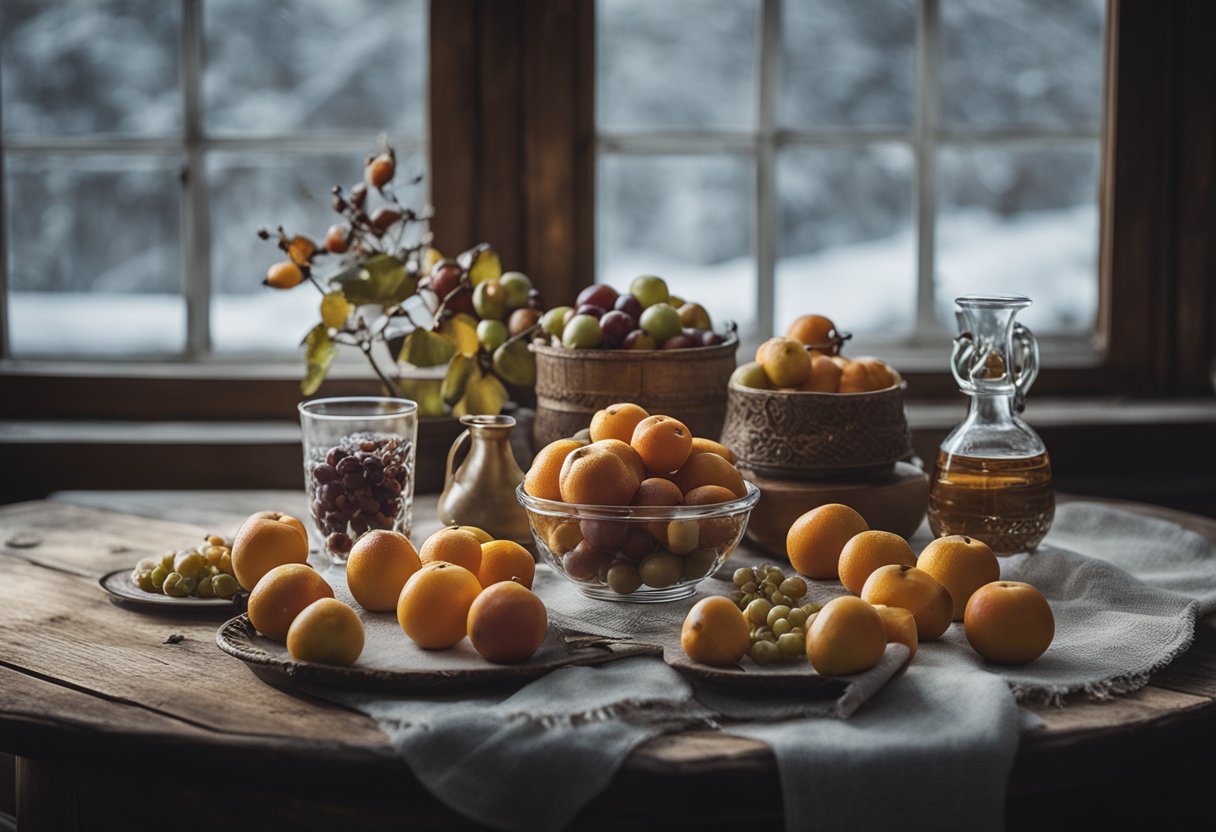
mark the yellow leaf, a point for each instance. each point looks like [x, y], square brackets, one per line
[335, 309]
[486, 267]
[319, 352]
[424, 348]
[461, 330]
[426, 392]
[433, 256]
[460, 370]
[485, 396]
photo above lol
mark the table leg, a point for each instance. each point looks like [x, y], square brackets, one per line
[46, 796]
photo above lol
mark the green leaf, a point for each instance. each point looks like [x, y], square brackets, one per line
[319, 352]
[424, 348]
[382, 279]
[427, 392]
[460, 370]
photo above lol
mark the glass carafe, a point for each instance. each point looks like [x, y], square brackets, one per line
[992, 480]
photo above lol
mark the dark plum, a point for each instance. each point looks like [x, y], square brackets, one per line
[599, 294]
[616, 326]
[629, 305]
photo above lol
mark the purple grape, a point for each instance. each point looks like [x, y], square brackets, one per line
[680, 342]
[591, 309]
[600, 294]
[616, 325]
[630, 305]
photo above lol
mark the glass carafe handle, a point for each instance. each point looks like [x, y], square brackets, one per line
[1025, 364]
[962, 359]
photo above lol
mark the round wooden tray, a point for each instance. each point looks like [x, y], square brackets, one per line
[418, 670]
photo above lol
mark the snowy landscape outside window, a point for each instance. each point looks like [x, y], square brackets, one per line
[866, 159]
[144, 142]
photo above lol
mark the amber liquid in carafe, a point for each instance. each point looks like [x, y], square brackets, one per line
[1007, 503]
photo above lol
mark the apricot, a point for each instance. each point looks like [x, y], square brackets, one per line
[506, 560]
[594, 477]
[901, 627]
[962, 565]
[815, 539]
[916, 591]
[280, 596]
[869, 550]
[326, 631]
[616, 421]
[863, 375]
[263, 543]
[657, 491]
[663, 443]
[847, 636]
[379, 565]
[701, 445]
[433, 609]
[785, 361]
[543, 479]
[481, 534]
[281, 517]
[714, 531]
[715, 632]
[825, 376]
[1009, 622]
[564, 537]
[453, 545]
[625, 451]
[709, 469]
[812, 330]
[507, 623]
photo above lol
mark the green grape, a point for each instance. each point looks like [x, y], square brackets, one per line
[745, 600]
[812, 607]
[661, 569]
[158, 575]
[764, 652]
[177, 585]
[742, 576]
[166, 560]
[147, 564]
[699, 562]
[765, 634]
[190, 565]
[757, 611]
[794, 587]
[781, 626]
[779, 598]
[798, 630]
[768, 588]
[797, 616]
[224, 585]
[777, 613]
[204, 589]
[792, 644]
[775, 574]
[143, 580]
[737, 597]
[750, 588]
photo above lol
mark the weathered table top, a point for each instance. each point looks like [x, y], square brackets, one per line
[95, 697]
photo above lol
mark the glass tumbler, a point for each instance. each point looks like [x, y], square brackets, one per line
[358, 468]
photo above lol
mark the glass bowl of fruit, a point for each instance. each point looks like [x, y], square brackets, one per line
[643, 554]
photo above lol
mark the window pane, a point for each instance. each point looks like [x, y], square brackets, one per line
[250, 190]
[678, 64]
[88, 68]
[847, 249]
[848, 63]
[315, 65]
[94, 263]
[687, 219]
[1021, 220]
[1034, 63]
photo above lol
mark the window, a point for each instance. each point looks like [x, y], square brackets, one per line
[143, 144]
[867, 159]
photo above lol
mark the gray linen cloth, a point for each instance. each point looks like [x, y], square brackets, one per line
[941, 737]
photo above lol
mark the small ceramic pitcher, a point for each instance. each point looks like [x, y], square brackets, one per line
[481, 492]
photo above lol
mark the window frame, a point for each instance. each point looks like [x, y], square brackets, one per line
[191, 145]
[521, 72]
[925, 137]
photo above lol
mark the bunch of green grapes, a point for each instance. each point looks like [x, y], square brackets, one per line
[770, 603]
[204, 571]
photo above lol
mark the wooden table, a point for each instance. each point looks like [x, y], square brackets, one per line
[118, 723]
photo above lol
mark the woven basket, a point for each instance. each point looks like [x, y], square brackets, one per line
[793, 435]
[689, 385]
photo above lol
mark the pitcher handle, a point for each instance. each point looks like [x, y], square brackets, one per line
[962, 357]
[1026, 363]
[448, 471]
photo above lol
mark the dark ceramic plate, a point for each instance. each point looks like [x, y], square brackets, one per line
[119, 584]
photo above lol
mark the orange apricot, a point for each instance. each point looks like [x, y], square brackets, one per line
[379, 565]
[863, 375]
[507, 623]
[263, 543]
[506, 560]
[452, 545]
[869, 550]
[701, 445]
[662, 442]
[594, 477]
[433, 609]
[916, 591]
[543, 479]
[326, 631]
[625, 451]
[825, 376]
[812, 330]
[785, 361]
[715, 632]
[281, 594]
[1009, 622]
[709, 469]
[815, 539]
[962, 565]
[901, 627]
[658, 491]
[847, 636]
[616, 421]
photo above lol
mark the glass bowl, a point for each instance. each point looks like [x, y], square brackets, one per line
[642, 554]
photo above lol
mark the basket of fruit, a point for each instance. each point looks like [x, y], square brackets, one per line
[801, 410]
[642, 511]
[645, 346]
